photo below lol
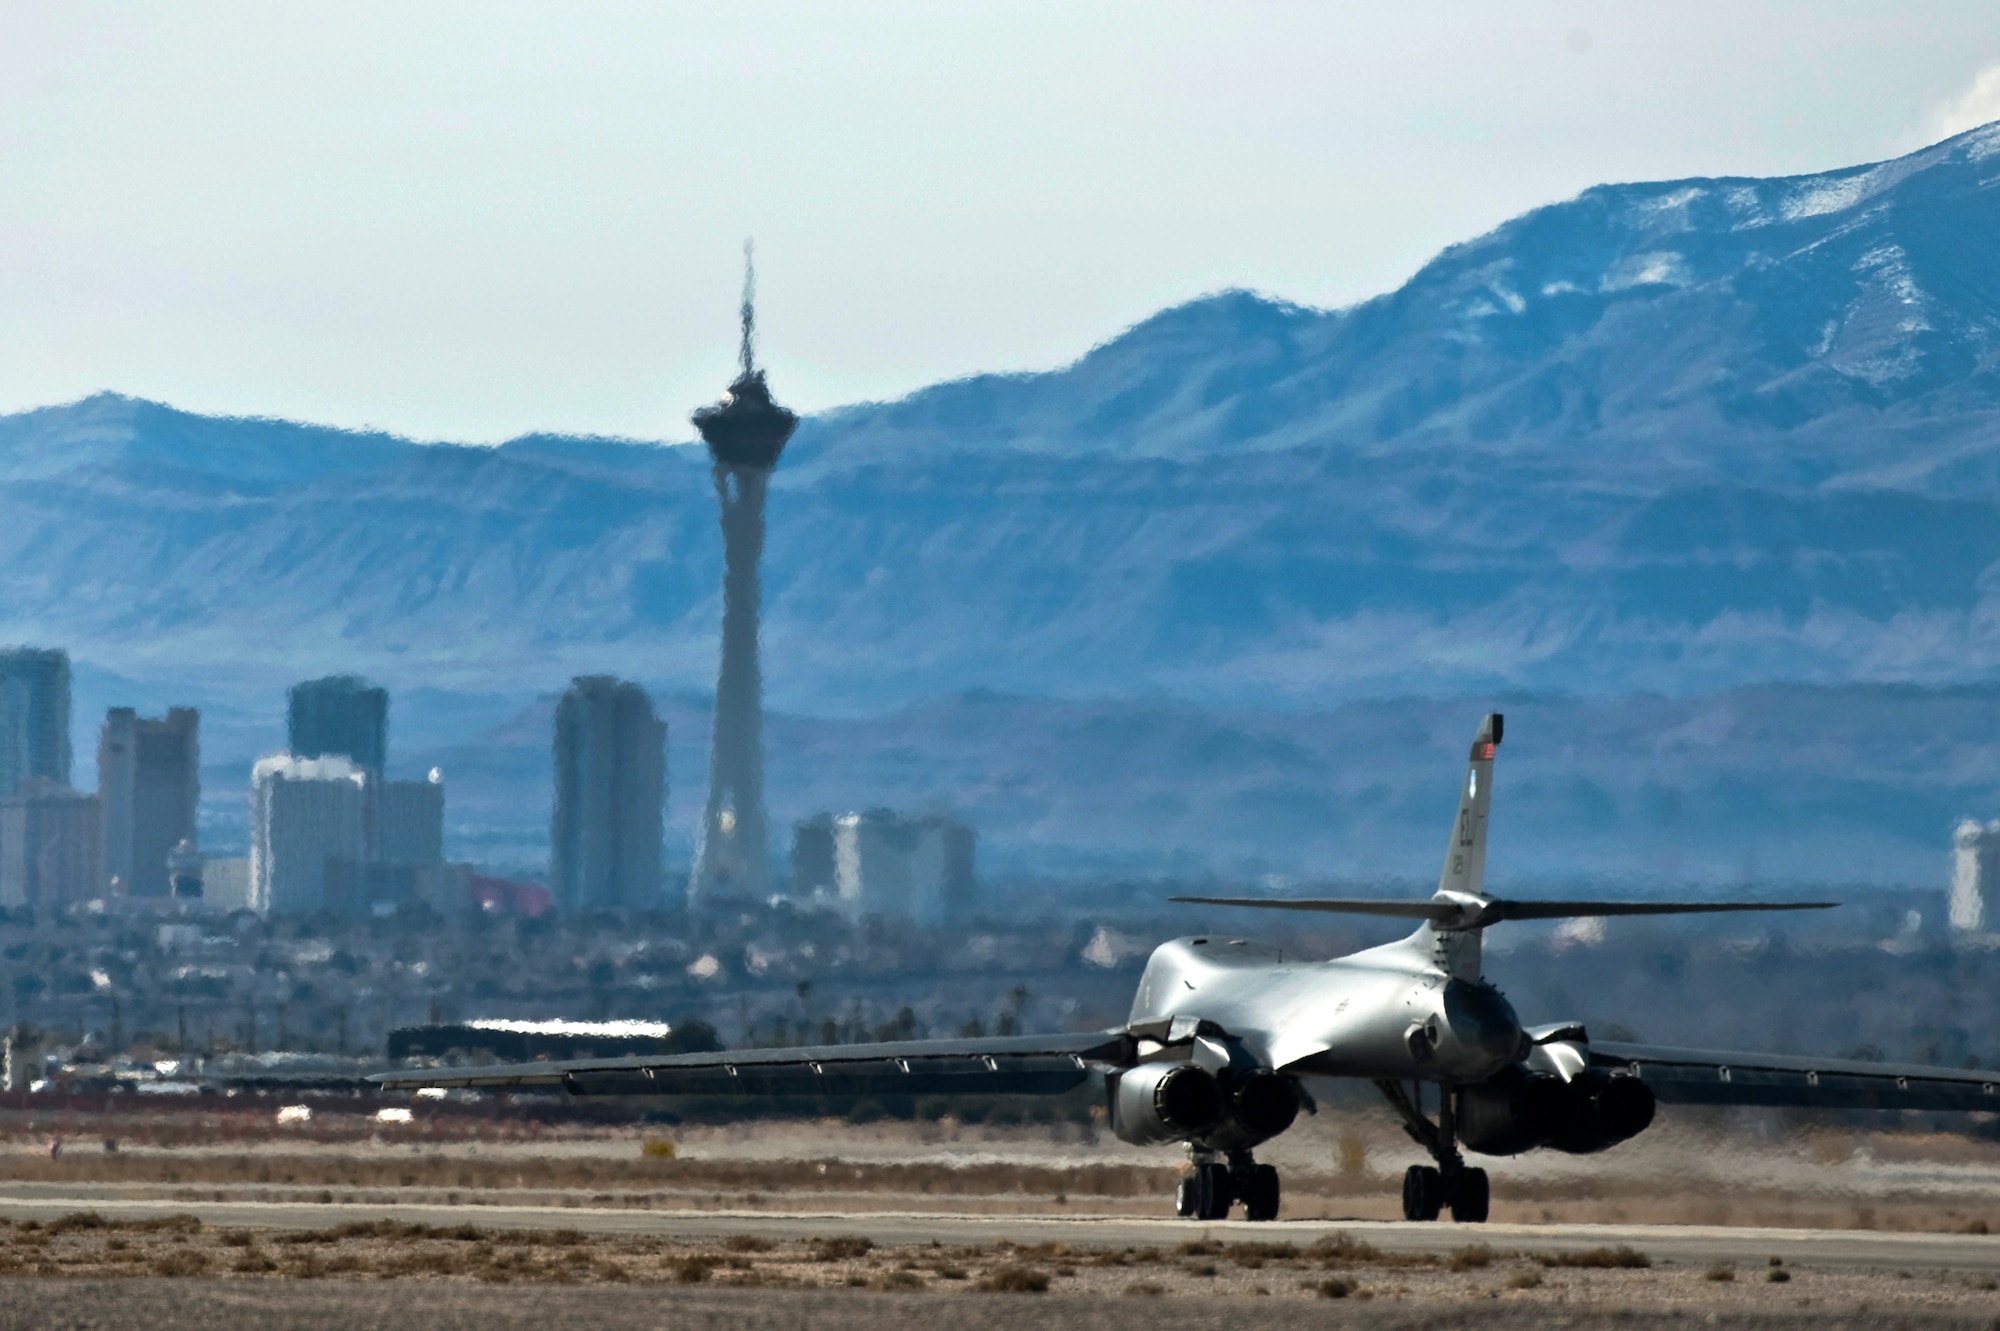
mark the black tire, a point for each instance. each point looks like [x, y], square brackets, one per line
[1423, 1193]
[1260, 1199]
[1215, 1192]
[1187, 1196]
[1470, 1198]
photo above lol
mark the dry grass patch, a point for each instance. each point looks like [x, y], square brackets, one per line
[844, 1249]
[1012, 1279]
[1343, 1249]
[1252, 1256]
[1474, 1258]
[897, 1280]
[1621, 1257]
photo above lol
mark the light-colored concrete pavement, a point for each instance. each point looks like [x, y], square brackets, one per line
[1687, 1245]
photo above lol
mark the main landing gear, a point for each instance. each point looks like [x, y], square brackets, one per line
[1214, 1182]
[1428, 1190]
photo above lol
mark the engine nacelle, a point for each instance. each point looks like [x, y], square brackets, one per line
[1519, 1111]
[1604, 1110]
[1514, 1112]
[1264, 1104]
[1165, 1102]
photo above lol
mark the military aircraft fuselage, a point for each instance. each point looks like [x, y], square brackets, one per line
[1388, 1012]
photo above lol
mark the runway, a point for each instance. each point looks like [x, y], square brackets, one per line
[1684, 1245]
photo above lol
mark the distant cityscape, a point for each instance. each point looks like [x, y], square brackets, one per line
[331, 834]
[347, 923]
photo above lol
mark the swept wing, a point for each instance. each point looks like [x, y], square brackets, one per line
[1729, 1077]
[997, 1065]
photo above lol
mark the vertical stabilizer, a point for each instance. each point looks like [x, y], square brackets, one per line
[1465, 857]
[1457, 951]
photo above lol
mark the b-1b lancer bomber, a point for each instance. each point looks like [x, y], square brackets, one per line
[1224, 1033]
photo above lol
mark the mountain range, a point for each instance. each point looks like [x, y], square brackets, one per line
[1684, 441]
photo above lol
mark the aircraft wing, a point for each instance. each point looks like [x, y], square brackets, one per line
[1727, 1077]
[998, 1065]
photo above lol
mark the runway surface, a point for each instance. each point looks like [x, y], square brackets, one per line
[1832, 1249]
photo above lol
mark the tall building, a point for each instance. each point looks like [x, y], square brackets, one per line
[34, 716]
[149, 787]
[409, 821]
[745, 433]
[51, 846]
[341, 715]
[812, 857]
[1974, 904]
[881, 863]
[611, 795]
[405, 848]
[303, 812]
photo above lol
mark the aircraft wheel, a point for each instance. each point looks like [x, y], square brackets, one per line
[1469, 1199]
[1187, 1196]
[1215, 1192]
[1423, 1193]
[1260, 1199]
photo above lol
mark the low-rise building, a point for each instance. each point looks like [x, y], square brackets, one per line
[225, 884]
[358, 888]
[880, 862]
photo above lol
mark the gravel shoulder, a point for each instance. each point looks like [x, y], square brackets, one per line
[88, 1270]
[213, 1305]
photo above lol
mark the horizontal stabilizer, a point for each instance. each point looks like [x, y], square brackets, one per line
[1569, 910]
[1400, 910]
[1478, 912]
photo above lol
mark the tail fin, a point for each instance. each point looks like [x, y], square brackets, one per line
[1465, 854]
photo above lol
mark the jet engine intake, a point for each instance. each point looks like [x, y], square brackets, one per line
[1519, 1111]
[1165, 1102]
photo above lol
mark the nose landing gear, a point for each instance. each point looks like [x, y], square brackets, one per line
[1427, 1191]
[1215, 1182]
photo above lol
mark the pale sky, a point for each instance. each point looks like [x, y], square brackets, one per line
[469, 222]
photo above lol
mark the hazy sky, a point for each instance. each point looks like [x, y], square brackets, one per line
[473, 221]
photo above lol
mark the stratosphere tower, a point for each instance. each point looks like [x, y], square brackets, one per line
[745, 432]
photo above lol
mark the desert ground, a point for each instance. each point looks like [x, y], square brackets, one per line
[227, 1219]
[1693, 1168]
